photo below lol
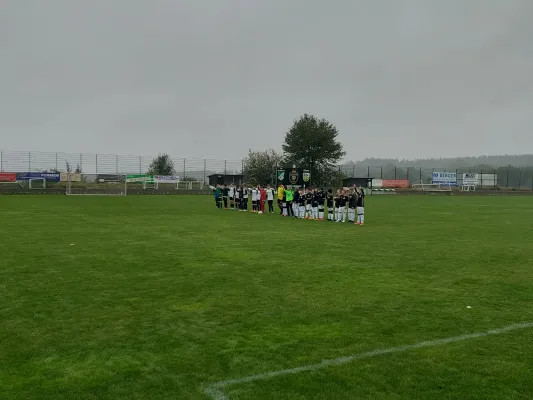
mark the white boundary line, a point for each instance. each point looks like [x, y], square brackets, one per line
[215, 391]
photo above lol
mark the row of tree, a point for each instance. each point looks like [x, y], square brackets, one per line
[310, 143]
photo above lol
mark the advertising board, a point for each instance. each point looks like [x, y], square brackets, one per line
[470, 179]
[395, 183]
[166, 178]
[74, 177]
[8, 177]
[109, 178]
[446, 178]
[49, 176]
[139, 178]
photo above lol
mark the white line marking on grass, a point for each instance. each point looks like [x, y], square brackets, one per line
[215, 391]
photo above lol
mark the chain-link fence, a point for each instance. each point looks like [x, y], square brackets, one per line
[188, 168]
[191, 169]
[502, 177]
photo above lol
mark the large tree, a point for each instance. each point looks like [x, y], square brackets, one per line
[312, 143]
[161, 165]
[260, 167]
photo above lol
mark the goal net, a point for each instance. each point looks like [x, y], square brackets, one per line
[432, 187]
[468, 188]
[96, 184]
[36, 183]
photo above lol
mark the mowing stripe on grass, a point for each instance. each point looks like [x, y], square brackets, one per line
[215, 390]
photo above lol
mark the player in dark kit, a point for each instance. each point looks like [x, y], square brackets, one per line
[320, 195]
[244, 201]
[361, 207]
[352, 203]
[329, 199]
[343, 199]
[314, 204]
[296, 203]
[308, 204]
[301, 205]
[225, 195]
[336, 199]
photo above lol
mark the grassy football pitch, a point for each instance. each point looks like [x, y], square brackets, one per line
[159, 297]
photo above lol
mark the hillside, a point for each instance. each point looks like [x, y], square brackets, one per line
[525, 160]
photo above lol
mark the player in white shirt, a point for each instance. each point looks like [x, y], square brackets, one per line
[238, 197]
[255, 198]
[270, 199]
[232, 197]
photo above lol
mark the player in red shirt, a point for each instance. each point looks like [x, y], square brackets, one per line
[262, 198]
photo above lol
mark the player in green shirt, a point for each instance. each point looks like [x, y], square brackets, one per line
[218, 196]
[289, 195]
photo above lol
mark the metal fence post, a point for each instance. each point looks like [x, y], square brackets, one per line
[205, 167]
[420, 170]
[1, 161]
[507, 183]
[96, 161]
[81, 162]
[394, 172]
[140, 165]
[519, 179]
[183, 168]
[368, 171]
[408, 174]
[481, 178]
[29, 161]
[116, 162]
[381, 174]
[57, 164]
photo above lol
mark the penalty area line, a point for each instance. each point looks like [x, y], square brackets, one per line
[215, 390]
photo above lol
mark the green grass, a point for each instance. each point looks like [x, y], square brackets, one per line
[159, 296]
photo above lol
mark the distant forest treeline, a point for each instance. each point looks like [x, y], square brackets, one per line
[524, 160]
[513, 171]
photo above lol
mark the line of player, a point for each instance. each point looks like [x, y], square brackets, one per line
[346, 205]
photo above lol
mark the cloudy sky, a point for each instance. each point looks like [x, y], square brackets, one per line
[213, 78]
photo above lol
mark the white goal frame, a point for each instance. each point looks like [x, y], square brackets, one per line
[187, 184]
[174, 185]
[43, 180]
[432, 187]
[123, 192]
[150, 185]
[468, 188]
[192, 185]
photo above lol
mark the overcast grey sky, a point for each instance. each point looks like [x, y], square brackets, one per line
[213, 78]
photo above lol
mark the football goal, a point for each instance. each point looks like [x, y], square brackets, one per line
[187, 185]
[198, 185]
[120, 188]
[36, 183]
[432, 187]
[468, 188]
[147, 185]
